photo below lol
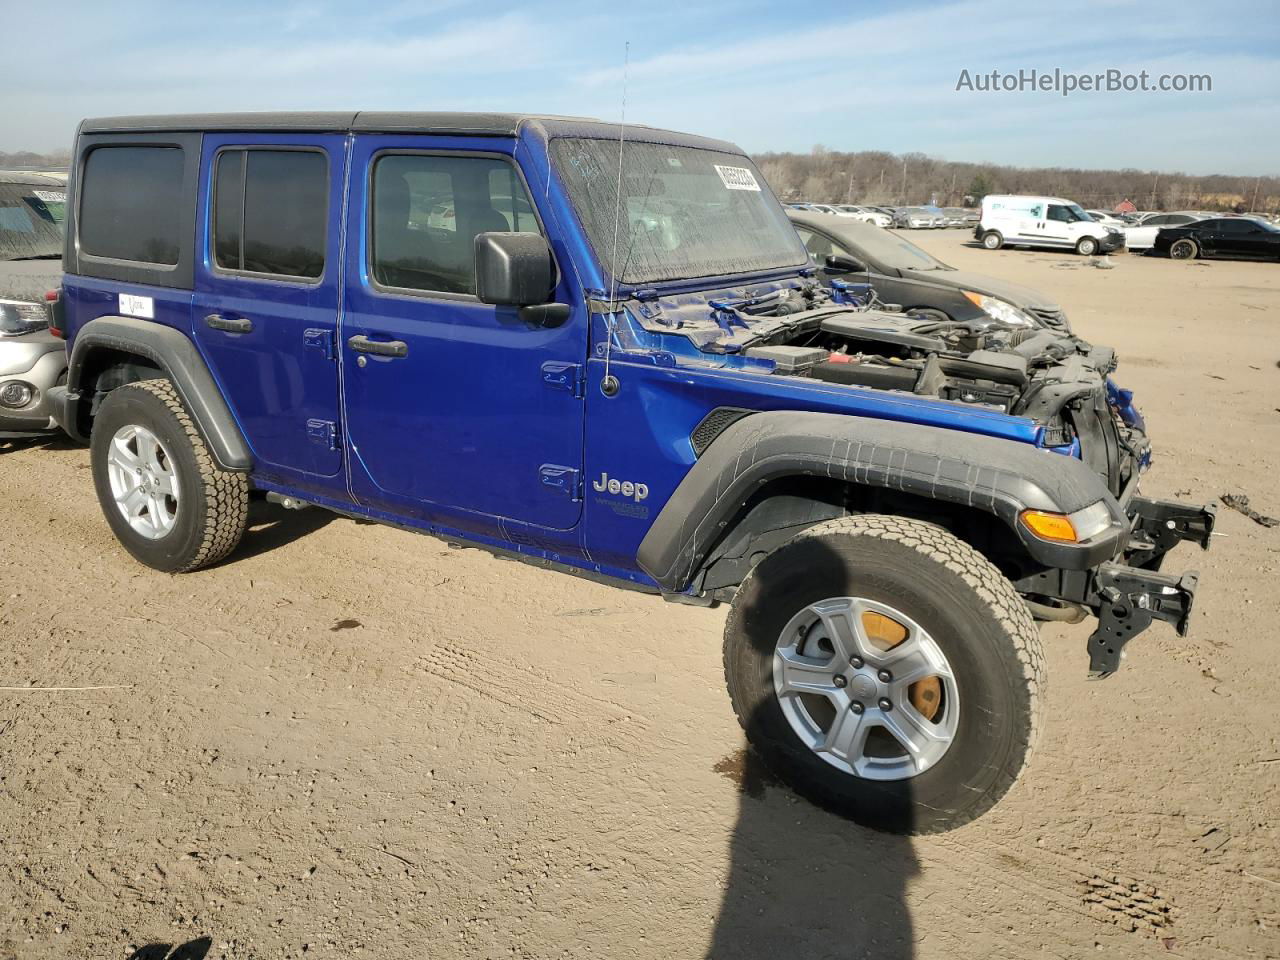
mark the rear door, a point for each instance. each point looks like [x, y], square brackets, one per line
[265, 309]
[456, 410]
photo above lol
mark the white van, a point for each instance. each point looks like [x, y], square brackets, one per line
[1043, 222]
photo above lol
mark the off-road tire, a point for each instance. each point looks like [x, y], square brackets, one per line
[214, 503]
[972, 612]
[993, 240]
[1086, 246]
[1184, 249]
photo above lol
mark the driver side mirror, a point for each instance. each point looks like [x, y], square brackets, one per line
[516, 270]
[513, 269]
[841, 263]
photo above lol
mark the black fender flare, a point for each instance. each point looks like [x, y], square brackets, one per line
[174, 353]
[998, 476]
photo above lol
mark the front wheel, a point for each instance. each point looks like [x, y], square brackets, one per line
[887, 671]
[165, 498]
[1184, 250]
[1087, 246]
[992, 240]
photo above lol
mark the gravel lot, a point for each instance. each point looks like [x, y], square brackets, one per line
[352, 740]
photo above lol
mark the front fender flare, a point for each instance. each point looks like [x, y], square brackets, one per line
[174, 353]
[998, 476]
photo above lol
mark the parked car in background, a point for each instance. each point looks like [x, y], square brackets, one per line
[953, 217]
[902, 273]
[1052, 222]
[915, 218]
[866, 214]
[1106, 219]
[1142, 236]
[828, 208]
[32, 360]
[1221, 238]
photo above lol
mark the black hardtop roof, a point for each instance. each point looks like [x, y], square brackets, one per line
[364, 121]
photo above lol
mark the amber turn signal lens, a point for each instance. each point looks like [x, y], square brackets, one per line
[1049, 526]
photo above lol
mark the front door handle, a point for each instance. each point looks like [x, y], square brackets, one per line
[380, 348]
[229, 324]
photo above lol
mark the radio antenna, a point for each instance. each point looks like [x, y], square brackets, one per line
[609, 385]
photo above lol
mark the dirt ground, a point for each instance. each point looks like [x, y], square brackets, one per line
[354, 741]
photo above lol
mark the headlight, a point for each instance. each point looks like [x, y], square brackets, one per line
[18, 317]
[999, 310]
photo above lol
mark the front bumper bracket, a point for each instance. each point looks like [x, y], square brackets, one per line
[1128, 599]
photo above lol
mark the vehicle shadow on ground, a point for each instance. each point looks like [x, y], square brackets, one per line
[806, 883]
[48, 441]
[271, 526]
[191, 950]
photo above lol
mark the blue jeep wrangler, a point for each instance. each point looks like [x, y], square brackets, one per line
[605, 351]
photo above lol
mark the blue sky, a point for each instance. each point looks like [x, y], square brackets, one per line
[766, 75]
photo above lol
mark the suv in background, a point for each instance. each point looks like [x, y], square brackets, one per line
[1020, 221]
[32, 360]
[641, 383]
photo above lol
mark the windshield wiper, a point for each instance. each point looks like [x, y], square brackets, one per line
[38, 256]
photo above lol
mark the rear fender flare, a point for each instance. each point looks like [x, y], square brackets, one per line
[1000, 477]
[174, 353]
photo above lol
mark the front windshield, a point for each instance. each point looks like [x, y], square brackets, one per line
[684, 213]
[30, 221]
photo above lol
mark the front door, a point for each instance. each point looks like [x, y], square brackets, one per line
[1056, 227]
[265, 307]
[456, 410]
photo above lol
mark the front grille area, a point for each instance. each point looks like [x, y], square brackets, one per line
[1056, 318]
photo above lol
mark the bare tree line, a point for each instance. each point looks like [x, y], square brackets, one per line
[872, 176]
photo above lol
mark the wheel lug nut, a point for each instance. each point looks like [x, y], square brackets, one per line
[886, 703]
[856, 662]
[885, 676]
[856, 706]
[840, 680]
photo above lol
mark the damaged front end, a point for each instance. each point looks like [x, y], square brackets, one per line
[1059, 383]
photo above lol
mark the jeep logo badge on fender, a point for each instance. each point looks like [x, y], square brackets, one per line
[638, 491]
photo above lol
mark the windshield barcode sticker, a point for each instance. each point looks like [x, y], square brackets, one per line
[48, 196]
[738, 178]
[135, 306]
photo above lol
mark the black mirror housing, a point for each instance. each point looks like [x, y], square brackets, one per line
[839, 263]
[513, 269]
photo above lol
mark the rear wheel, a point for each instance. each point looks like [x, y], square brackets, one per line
[1087, 246]
[992, 240]
[1184, 250]
[887, 671]
[165, 498]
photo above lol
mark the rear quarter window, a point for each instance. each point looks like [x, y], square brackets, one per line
[131, 204]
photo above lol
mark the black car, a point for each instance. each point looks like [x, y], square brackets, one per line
[1228, 238]
[902, 273]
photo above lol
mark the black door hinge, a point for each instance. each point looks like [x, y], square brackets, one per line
[566, 480]
[323, 432]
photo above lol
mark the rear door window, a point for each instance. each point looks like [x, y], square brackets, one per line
[270, 211]
[132, 204]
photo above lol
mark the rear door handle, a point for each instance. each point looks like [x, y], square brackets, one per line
[380, 348]
[229, 324]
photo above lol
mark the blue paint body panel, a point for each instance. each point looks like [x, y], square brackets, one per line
[487, 429]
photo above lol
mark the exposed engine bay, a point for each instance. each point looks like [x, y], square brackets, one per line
[1052, 377]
